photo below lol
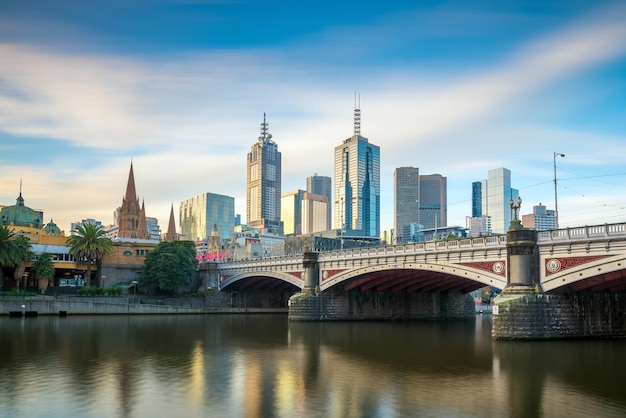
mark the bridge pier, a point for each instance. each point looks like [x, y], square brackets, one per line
[524, 312]
[354, 305]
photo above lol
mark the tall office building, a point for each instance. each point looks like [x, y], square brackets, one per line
[477, 199]
[496, 192]
[263, 182]
[406, 202]
[201, 213]
[290, 212]
[322, 185]
[314, 213]
[357, 184]
[433, 201]
[420, 201]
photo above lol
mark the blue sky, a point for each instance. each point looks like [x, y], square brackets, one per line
[180, 88]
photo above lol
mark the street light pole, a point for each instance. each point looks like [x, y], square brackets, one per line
[556, 206]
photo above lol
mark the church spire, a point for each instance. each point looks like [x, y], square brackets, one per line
[131, 193]
[142, 230]
[170, 235]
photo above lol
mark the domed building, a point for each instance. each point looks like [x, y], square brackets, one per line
[47, 238]
[20, 215]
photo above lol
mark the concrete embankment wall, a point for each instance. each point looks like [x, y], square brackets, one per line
[43, 305]
[339, 306]
[546, 316]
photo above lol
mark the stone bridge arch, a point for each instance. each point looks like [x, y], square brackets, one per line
[264, 280]
[417, 277]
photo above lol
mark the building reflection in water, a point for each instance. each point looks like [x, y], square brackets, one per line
[257, 366]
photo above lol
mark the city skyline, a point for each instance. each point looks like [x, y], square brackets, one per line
[178, 89]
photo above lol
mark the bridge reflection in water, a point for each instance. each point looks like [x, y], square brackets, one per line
[262, 365]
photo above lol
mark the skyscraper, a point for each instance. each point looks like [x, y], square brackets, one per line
[322, 185]
[496, 192]
[418, 200]
[201, 213]
[357, 184]
[406, 201]
[433, 201]
[263, 184]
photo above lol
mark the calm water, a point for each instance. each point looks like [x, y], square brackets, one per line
[263, 366]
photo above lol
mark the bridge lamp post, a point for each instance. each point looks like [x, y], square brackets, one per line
[556, 207]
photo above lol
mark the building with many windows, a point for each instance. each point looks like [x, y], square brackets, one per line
[199, 214]
[495, 194]
[357, 184]
[405, 202]
[433, 201]
[314, 213]
[322, 185]
[541, 219]
[420, 201]
[290, 212]
[263, 184]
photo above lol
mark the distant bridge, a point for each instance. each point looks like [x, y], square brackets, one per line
[589, 258]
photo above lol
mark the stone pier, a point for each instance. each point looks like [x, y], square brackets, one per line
[338, 305]
[524, 312]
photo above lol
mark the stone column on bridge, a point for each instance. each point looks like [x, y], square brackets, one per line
[311, 271]
[514, 313]
[307, 305]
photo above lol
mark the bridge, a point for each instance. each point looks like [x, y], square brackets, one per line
[388, 282]
[585, 258]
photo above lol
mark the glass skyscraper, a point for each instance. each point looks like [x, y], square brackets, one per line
[357, 185]
[496, 192]
[263, 181]
[200, 213]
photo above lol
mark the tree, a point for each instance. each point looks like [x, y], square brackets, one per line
[14, 253]
[169, 266]
[22, 255]
[89, 244]
[43, 270]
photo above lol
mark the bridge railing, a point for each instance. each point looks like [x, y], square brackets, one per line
[418, 247]
[583, 232]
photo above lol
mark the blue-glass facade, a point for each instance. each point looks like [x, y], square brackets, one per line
[357, 187]
[200, 213]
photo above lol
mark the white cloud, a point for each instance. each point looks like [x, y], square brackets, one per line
[193, 117]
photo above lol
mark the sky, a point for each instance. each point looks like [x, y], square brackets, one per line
[179, 88]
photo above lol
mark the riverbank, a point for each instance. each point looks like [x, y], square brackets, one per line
[49, 305]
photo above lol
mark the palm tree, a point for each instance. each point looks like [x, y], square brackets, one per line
[14, 252]
[22, 254]
[43, 270]
[91, 244]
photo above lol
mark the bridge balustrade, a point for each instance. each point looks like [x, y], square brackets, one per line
[584, 232]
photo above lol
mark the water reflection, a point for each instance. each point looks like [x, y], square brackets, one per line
[259, 366]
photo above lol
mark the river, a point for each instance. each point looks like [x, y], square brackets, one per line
[264, 366]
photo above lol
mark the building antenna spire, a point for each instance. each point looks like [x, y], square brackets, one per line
[357, 114]
[264, 134]
[20, 186]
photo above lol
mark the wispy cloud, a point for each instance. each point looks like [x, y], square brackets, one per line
[189, 118]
